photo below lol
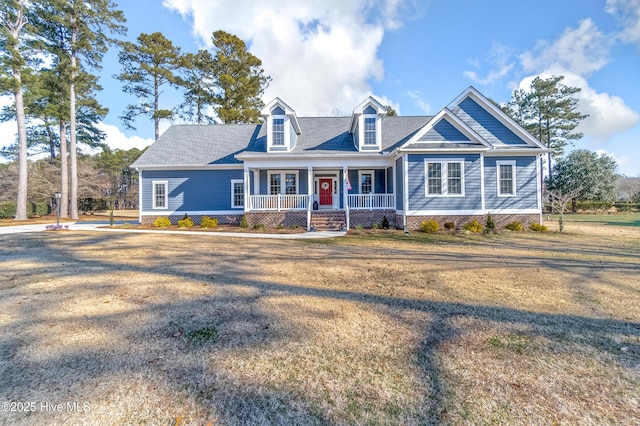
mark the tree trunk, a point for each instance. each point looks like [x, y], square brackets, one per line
[21, 202]
[72, 130]
[156, 119]
[64, 171]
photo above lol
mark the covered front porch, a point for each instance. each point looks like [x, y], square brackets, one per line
[300, 192]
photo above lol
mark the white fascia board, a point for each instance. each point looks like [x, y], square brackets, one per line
[474, 94]
[191, 167]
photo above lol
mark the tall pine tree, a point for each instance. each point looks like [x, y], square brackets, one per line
[147, 66]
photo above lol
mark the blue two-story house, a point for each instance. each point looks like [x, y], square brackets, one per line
[468, 160]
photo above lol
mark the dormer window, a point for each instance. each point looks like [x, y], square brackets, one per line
[278, 132]
[370, 131]
[282, 127]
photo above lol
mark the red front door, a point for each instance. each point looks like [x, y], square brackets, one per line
[326, 192]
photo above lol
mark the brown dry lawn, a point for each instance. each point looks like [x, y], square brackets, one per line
[518, 328]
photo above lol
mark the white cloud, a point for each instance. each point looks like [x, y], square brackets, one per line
[419, 101]
[499, 57]
[118, 140]
[607, 114]
[320, 53]
[581, 50]
[628, 12]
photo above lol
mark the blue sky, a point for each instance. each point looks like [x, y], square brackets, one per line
[326, 56]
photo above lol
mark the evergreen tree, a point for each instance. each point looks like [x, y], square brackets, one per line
[147, 66]
[197, 79]
[75, 30]
[13, 67]
[549, 111]
[583, 173]
[239, 82]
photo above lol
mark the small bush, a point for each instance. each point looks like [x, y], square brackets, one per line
[473, 226]
[429, 226]
[207, 222]
[490, 225]
[449, 225]
[280, 226]
[375, 226]
[162, 222]
[359, 227]
[244, 223]
[536, 227]
[185, 223]
[385, 223]
[259, 227]
[294, 227]
[514, 226]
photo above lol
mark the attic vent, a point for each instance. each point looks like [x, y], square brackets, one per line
[370, 110]
[277, 111]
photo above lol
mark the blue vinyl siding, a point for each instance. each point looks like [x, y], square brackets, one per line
[389, 180]
[355, 183]
[472, 199]
[526, 184]
[443, 131]
[277, 111]
[485, 124]
[370, 110]
[379, 181]
[191, 190]
[399, 184]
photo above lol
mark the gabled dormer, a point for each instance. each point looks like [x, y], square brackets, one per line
[282, 126]
[366, 125]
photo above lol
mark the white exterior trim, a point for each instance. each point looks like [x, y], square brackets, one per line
[195, 167]
[511, 163]
[444, 178]
[373, 180]
[405, 190]
[190, 213]
[166, 194]
[283, 180]
[470, 212]
[482, 189]
[244, 193]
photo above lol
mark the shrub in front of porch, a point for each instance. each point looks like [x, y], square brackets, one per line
[429, 226]
[162, 222]
[185, 223]
[207, 222]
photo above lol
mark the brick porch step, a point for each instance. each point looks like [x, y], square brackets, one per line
[327, 220]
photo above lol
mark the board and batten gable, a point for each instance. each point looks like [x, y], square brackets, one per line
[190, 191]
[472, 185]
[526, 188]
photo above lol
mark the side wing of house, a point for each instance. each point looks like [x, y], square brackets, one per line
[470, 160]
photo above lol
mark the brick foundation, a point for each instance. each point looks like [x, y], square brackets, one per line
[275, 219]
[222, 219]
[413, 222]
[366, 218]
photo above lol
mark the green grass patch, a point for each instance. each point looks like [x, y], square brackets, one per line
[514, 342]
[202, 335]
[632, 219]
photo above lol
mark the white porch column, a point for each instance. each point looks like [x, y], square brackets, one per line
[247, 189]
[345, 194]
[309, 195]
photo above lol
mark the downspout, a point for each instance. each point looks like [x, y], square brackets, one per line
[139, 195]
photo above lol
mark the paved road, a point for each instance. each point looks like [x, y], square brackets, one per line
[99, 225]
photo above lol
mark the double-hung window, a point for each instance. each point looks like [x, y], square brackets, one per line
[278, 132]
[160, 194]
[283, 183]
[366, 182]
[370, 131]
[444, 178]
[237, 193]
[506, 173]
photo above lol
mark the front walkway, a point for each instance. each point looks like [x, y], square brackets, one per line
[101, 225]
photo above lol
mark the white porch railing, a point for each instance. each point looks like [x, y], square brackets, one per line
[372, 201]
[279, 202]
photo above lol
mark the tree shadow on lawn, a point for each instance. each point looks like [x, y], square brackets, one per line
[142, 348]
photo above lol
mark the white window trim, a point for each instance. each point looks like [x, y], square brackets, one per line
[361, 133]
[287, 134]
[283, 180]
[511, 163]
[375, 129]
[166, 194]
[373, 180]
[444, 178]
[233, 199]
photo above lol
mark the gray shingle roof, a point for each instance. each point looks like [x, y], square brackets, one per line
[193, 145]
